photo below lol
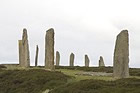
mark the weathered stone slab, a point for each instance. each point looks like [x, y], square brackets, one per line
[24, 56]
[36, 57]
[101, 62]
[57, 58]
[49, 49]
[71, 59]
[20, 53]
[87, 61]
[121, 56]
[25, 49]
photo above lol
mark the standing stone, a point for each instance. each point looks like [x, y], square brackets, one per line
[24, 57]
[57, 58]
[20, 53]
[49, 49]
[87, 61]
[36, 57]
[71, 59]
[121, 56]
[101, 62]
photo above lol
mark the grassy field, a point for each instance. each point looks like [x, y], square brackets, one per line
[30, 81]
[65, 80]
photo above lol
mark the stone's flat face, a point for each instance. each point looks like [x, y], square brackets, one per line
[49, 49]
[36, 57]
[24, 56]
[21, 63]
[57, 58]
[71, 59]
[101, 62]
[87, 61]
[121, 56]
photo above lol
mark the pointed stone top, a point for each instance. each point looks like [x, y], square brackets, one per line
[24, 29]
[124, 31]
[51, 29]
[72, 53]
[86, 55]
[101, 57]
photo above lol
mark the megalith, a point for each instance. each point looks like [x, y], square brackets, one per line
[87, 61]
[71, 59]
[49, 49]
[21, 63]
[57, 58]
[101, 62]
[36, 56]
[121, 56]
[24, 54]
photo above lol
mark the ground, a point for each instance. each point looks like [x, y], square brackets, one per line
[66, 80]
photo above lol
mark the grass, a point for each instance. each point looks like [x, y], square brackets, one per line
[99, 86]
[30, 81]
[132, 71]
[76, 78]
[65, 80]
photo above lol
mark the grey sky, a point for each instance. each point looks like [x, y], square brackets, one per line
[81, 26]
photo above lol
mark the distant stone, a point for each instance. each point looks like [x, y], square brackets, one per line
[87, 61]
[49, 49]
[24, 55]
[121, 56]
[57, 58]
[71, 59]
[101, 62]
[36, 57]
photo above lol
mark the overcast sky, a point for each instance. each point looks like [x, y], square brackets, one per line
[81, 26]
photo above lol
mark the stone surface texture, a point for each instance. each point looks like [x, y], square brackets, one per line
[87, 61]
[101, 62]
[49, 49]
[36, 56]
[57, 58]
[71, 59]
[24, 54]
[121, 56]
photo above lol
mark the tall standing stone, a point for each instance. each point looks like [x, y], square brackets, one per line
[24, 56]
[71, 59]
[36, 57]
[101, 62]
[87, 61]
[21, 63]
[49, 49]
[121, 56]
[57, 58]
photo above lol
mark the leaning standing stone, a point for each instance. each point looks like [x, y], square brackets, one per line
[49, 49]
[57, 58]
[101, 62]
[86, 61]
[121, 56]
[71, 59]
